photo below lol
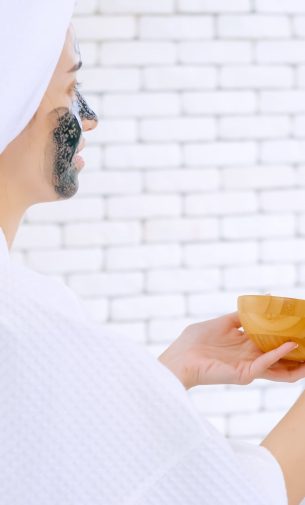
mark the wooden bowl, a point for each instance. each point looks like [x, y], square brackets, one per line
[272, 320]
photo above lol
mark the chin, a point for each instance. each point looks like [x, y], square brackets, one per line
[66, 185]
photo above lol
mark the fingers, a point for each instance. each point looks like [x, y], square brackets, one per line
[266, 360]
[234, 316]
[285, 375]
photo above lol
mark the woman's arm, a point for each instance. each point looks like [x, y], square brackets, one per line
[287, 444]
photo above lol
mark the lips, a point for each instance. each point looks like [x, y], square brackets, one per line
[79, 162]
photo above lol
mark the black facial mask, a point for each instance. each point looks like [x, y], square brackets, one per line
[66, 137]
[84, 110]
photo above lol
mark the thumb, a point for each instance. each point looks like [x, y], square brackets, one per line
[266, 360]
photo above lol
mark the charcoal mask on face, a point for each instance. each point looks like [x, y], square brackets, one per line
[84, 110]
[66, 137]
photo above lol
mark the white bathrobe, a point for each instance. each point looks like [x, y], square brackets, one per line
[93, 419]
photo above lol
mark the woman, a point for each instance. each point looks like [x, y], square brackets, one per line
[86, 418]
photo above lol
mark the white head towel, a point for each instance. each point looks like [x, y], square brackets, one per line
[32, 36]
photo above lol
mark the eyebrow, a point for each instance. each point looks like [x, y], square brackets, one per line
[76, 67]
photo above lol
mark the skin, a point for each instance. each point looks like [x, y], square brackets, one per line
[218, 352]
[38, 165]
[287, 444]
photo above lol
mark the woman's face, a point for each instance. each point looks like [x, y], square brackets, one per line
[42, 161]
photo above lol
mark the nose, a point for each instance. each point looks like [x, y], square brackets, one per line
[88, 117]
[89, 124]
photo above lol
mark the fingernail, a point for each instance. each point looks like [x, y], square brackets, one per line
[295, 346]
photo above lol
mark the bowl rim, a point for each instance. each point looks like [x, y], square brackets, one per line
[272, 296]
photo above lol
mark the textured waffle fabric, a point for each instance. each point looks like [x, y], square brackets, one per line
[88, 418]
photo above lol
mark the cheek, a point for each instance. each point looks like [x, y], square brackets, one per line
[66, 135]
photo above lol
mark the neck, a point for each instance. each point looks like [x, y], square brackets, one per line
[9, 225]
[12, 209]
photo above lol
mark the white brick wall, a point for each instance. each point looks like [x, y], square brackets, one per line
[194, 187]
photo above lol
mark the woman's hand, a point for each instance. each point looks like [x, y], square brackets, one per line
[217, 352]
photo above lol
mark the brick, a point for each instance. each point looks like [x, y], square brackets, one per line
[89, 52]
[281, 200]
[286, 6]
[220, 153]
[299, 26]
[144, 206]
[37, 237]
[285, 151]
[66, 260]
[67, 210]
[299, 126]
[102, 233]
[137, 53]
[182, 181]
[301, 76]
[283, 101]
[115, 132]
[257, 177]
[292, 250]
[214, 6]
[135, 332]
[281, 398]
[85, 7]
[176, 27]
[180, 129]
[259, 127]
[219, 203]
[302, 278]
[220, 254]
[156, 349]
[180, 78]
[136, 6]
[97, 308]
[167, 330]
[214, 52]
[220, 102]
[259, 423]
[111, 183]
[256, 76]
[291, 51]
[181, 230]
[216, 303]
[142, 105]
[300, 177]
[258, 226]
[104, 28]
[143, 257]
[301, 224]
[259, 276]
[146, 307]
[182, 280]
[93, 157]
[253, 27]
[228, 402]
[219, 423]
[110, 79]
[106, 284]
[143, 156]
